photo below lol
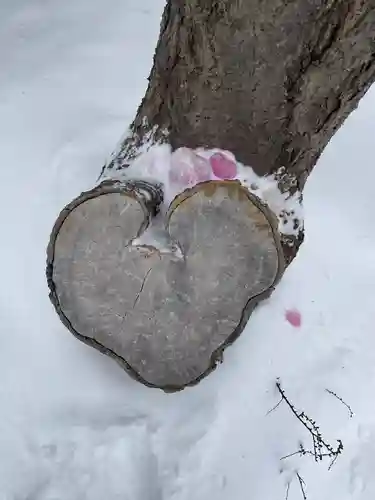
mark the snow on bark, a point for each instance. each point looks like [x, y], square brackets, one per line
[184, 168]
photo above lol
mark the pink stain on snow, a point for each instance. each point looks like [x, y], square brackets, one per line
[223, 167]
[188, 168]
[293, 317]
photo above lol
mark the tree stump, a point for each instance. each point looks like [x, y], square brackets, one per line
[269, 82]
[164, 293]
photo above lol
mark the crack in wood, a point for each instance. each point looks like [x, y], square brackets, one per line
[142, 287]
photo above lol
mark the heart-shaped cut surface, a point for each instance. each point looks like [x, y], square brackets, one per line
[165, 315]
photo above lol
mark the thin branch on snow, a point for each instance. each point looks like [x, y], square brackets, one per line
[351, 414]
[333, 462]
[303, 452]
[321, 448]
[274, 408]
[291, 455]
[287, 490]
[302, 485]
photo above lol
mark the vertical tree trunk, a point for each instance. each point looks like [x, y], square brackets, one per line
[269, 80]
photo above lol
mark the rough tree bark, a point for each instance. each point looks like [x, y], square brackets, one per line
[270, 81]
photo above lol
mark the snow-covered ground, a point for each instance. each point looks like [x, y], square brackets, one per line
[73, 426]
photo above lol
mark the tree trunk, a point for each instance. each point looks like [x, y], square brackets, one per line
[268, 80]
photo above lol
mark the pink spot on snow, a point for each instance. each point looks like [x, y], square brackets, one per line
[293, 317]
[187, 168]
[202, 168]
[223, 167]
[181, 175]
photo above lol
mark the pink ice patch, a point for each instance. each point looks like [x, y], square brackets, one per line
[201, 168]
[293, 317]
[223, 167]
[188, 168]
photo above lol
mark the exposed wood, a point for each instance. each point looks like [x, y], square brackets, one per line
[165, 315]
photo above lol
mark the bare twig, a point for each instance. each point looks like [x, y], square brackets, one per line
[292, 455]
[321, 448]
[302, 485]
[287, 490]
[274, 408]
[351, 414]
[306, 452]
[333, 462]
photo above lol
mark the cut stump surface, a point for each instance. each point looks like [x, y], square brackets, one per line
[164, 312]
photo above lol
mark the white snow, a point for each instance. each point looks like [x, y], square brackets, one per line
[73, 425]
[185, 168]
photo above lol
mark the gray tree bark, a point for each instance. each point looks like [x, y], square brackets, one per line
[269, 80]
